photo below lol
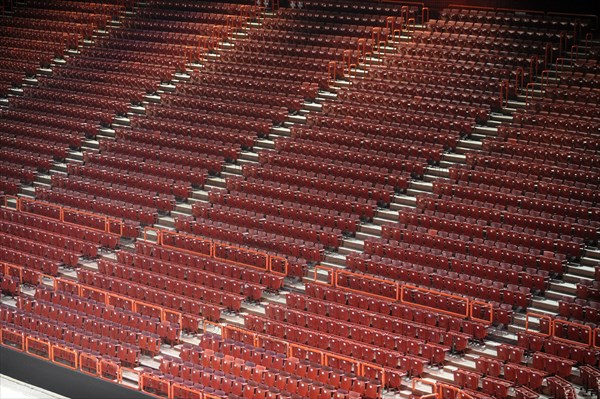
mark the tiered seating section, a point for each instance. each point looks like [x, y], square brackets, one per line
[469, 256]
[31, 134]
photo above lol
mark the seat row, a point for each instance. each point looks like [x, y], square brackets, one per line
[507, 219]
[514, 202]
[575, 351]
[404, 311]
[479, 233]
[181, 273]
[375, 137]
[80, 226]
[271, 361]
[230, 270]
[240, 217]
[331, 218]
[518, 150]
[544, 261]
[207, 290]
[359, 189]
[382, 324]
[413, 365]
[290, 246]
[378, 256]
[317, 198]
[343, 169]
[273, 112]
[102, 205]
[527, 186]
[191, 309]
[130, 163]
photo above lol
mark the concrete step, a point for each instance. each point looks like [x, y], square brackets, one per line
[563, 287]
[403, 201]
[353, 243]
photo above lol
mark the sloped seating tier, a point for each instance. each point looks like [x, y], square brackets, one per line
[432, 90]
[209, 118]
[422, 347]
[280, 60]
[587, 97]
[404, 311]
[554, 106]
[32, 265]
[51, 225]
[525, 119]
[530, 44]
[509, 219]
[479, 85]
[122, 79]
[400, 122]
[173, 142]
[230, 7]
[44, 330]
[191, 309]
[325, 17]
[103, 323]
[146, 70]
[549, 137]
[187, 16]
[491, 30]
[8, 66]
[178, 39]
[233, 270]
[480, 233]
[35, 146]
[311, 39]
[451, 68]
[527, 278]
[21, 158]
[331, 218]
[174, 62]
[54, 95]
[381, 324]
[529, 187]
[455, 57]
[502, 166]
[341, 169]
